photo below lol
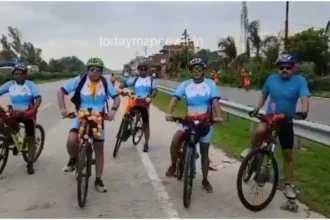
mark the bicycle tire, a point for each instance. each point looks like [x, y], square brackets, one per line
[180, 161]
[119, 137]
[39, 149]
[138, 117]
[239, 182]
[84, 160]
[5, 154]
[188, 176]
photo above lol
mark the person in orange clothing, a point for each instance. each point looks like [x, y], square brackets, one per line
[245, 79]
[215, 77]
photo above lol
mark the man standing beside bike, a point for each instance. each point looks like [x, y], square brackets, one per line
[145, 88]
[91, 91]
[202, 96]
[26, 99]
[284, 90]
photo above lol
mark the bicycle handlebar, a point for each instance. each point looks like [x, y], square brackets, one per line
[262, 117]
[74, 114]
[189, 120]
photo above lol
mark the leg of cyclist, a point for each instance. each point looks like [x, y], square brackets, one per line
[204, 145]
[72, 147]
[29, 125]
[175, 143]
[146, 128]
[99, 164]
[286, 138]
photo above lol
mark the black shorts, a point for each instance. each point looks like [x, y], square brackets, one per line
[144, 113]
[286, 135]
[29, 125]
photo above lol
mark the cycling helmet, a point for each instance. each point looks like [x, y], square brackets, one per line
[19, 66]
[196, 62]
[95, 62]
[143, 64]
[285, 59]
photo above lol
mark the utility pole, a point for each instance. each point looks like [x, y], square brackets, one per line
[186, 39]
[286, 27]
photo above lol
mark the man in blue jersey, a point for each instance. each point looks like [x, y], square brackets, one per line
[145, 88]
[284, 89]
[91, 91]
[202, 98]
[25, 98]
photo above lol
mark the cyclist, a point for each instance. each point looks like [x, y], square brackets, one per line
[145, 88]
[91, 90]
[284, 90]
[113, 79]
[25, 98]
[202, 101]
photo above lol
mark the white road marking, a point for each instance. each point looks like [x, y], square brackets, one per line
[162, 196]
[45, 106]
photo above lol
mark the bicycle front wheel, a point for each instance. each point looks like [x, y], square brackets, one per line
[40, 141]
[84, 167]
[254, 161]
[137, 129]
[189, 173]
[4, 153]
[120, 135]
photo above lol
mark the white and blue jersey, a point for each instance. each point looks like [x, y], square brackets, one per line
[199, 97]
[21, 96]
[144, 86]
[97, 102]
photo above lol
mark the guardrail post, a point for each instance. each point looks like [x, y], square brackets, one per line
[297, 142]
[252, 126]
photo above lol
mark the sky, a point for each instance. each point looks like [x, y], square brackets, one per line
[117, 31]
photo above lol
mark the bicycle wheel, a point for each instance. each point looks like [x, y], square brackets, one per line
[120, 134]
[84, 165]
[180, 161]
[258, 153]
[4, 153]
[189, 174]
[40, 141]
[136, 128]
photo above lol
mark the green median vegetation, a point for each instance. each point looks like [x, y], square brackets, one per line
[312, 160]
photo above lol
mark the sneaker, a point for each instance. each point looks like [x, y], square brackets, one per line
[207, 186]
[145, 147]
[71, 166]
[29, 168]
[99, 186]
[288, 191]
[171, 170]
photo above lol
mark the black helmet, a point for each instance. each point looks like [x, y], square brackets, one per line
[197, 62]
[285, 59]
[141, 65]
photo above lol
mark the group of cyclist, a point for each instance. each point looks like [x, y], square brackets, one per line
[92, 90]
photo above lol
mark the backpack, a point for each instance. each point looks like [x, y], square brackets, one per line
[152, 80]
[76, 98]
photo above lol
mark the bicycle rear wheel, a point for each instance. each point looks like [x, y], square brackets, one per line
[258, 155]
[40, 141]
[136, 128]
[84, 168]
[4, 153]
[120, 135]
[189, 173]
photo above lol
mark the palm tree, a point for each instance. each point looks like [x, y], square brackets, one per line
[270, 48]
[254, 38]
[228, 49]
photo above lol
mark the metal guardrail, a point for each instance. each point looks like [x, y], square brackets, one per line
[305, 129]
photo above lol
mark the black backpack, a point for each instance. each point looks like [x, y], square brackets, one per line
[76, 98]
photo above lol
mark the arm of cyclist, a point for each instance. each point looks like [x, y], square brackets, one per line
[114, 94]
[128, 83]
[262, 98]
[179, 93]
[37, 101]
[153, 93]
[4, 89]
[304, 94]
[66, 90]
[216, 96]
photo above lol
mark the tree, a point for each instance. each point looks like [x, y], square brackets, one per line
[311, 45]
[16, 43]
[228, 48]
[254, 38]
[271, 48]
[203, 54]
[7, 54]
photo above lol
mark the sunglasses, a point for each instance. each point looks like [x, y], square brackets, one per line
[286, 67]
[143, 69]
[95, 69]
[197, 69]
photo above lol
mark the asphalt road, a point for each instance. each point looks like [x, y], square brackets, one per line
[137, 186]
[319, 107]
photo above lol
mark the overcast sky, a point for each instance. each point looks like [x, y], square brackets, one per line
[75, 28]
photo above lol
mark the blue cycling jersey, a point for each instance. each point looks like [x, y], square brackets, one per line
[22, 96]
[88, 100]
[144, 86]
[284, 93]
[199, 95]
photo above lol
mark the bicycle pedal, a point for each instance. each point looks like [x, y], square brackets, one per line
[15, 151]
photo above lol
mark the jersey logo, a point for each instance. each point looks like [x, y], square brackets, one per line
[143, 82]
[19, 90]
[193, 90]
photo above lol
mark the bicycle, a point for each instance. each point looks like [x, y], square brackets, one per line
[188, 152]
[13, 140]
[129, 123]
[90, 126]
[252, 163]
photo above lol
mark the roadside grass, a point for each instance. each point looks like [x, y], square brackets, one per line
[312, 161]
